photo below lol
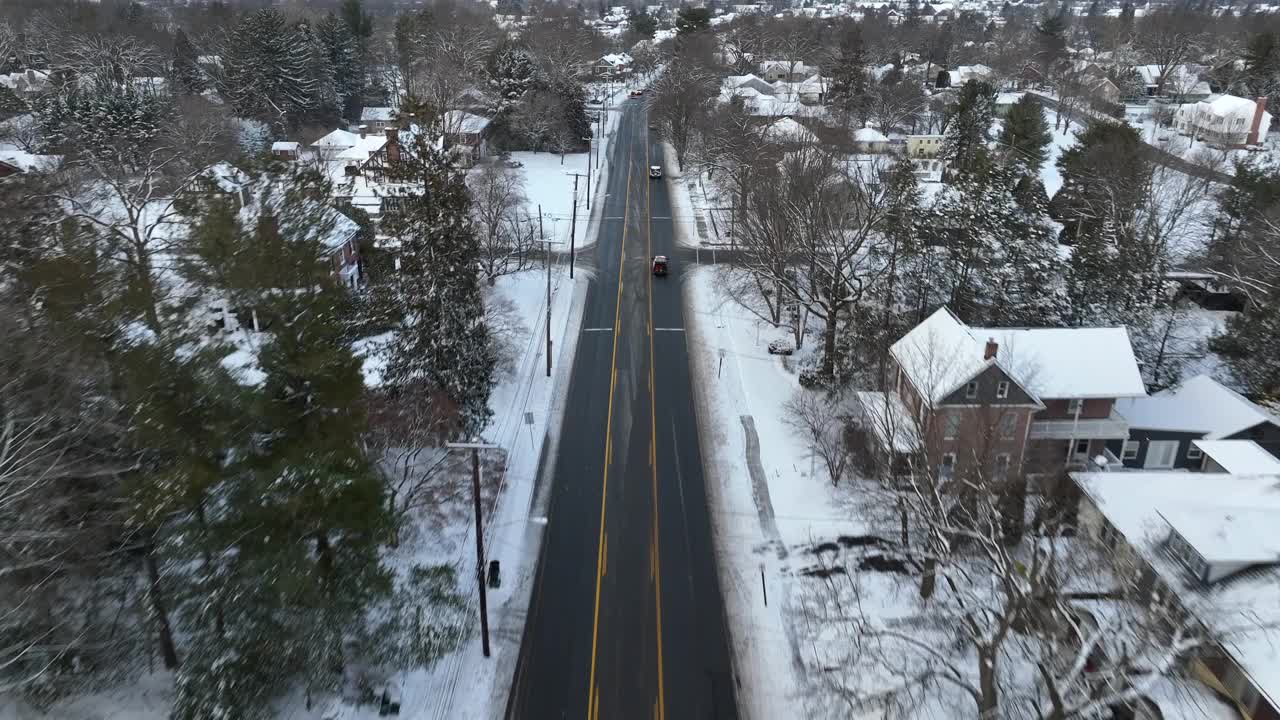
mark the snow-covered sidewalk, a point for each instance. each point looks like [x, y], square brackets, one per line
[528, 407]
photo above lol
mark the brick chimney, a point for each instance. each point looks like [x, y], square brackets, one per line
[992, 348]
[1259, 107]
[393, 145]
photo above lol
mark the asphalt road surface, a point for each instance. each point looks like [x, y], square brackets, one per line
[626, 619]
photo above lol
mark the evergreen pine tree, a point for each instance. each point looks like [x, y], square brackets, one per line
[511, 74]
[965, 149]
[267, 64]
[849, 83]
[188, 78]
[341, 54]
[11, 104]
[443, 348]
[1105, 178]
[1251, 348]
[1025, 136]
[300, 513]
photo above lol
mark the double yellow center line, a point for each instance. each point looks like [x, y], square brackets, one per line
[593, 693]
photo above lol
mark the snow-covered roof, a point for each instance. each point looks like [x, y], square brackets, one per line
[1137, 505]
[376, 114]
[616, 59]
[1199, 405]
[788, 130]
[465, 123]
[1071, 362]
[1008, 98]
[1242, 457]
[1228, 534]
[345, 145]
[285, 146]
[942, 353]
[939, 355]
[1229, 106]
[28, 162]
[869, 135]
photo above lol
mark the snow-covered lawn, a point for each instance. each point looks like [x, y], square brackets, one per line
[1063, 138]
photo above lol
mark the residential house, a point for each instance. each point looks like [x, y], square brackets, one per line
[789, 70]
[286, 150]
[927, 170]
[1208, 542]
[26, 83]
[1163, 426]
[789, 132]
[464, 135]
[1033, 399]
[376, 119]
[612, 65]
[810, 91]
[1182, 83]
[1206, 290]
[1226, 120]
[962, 75]
[925, 146]
[1240, 457]
[870, 140]
[735, 83]
[1005, 101]
[14, 162]
[338, 232]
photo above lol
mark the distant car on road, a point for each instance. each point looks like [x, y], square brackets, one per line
[659, 264]
[637, 93]
[655, 171]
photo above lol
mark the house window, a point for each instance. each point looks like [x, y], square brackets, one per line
[952, 427]
[948, 466]
[1002, 389]
[1002, 467]
[1130, 450]
[1082, 447]
[1073, 406]
[971, 390]
[1193, 452]
[1008, 424]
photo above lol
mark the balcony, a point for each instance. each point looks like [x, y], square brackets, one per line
[1113, 427]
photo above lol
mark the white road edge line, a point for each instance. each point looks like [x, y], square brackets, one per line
[608, 329]
[668, 329]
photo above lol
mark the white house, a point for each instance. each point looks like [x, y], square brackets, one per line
[870, 140]
[1209, 541]
[789, 70]
[1225, 120]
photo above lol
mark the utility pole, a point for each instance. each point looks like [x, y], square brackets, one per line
[588, 139]
[573, 220]
[548, 244]
[475, 449]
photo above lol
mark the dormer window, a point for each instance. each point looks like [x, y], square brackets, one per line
[971, 390]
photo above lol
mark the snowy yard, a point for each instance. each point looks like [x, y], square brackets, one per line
[527, 406]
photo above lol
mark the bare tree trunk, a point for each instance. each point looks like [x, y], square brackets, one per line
[989, 701]
[929, 578]
[156, 595]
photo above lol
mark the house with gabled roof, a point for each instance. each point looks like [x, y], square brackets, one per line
[1206, 541]
[1006, 401]
[1164, 426]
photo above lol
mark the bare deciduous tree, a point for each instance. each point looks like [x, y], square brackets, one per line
[505, 229]
[819, 420]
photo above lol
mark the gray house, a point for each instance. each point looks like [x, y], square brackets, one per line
[1163, 426]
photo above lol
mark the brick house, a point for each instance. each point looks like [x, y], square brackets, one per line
[1003, 402]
